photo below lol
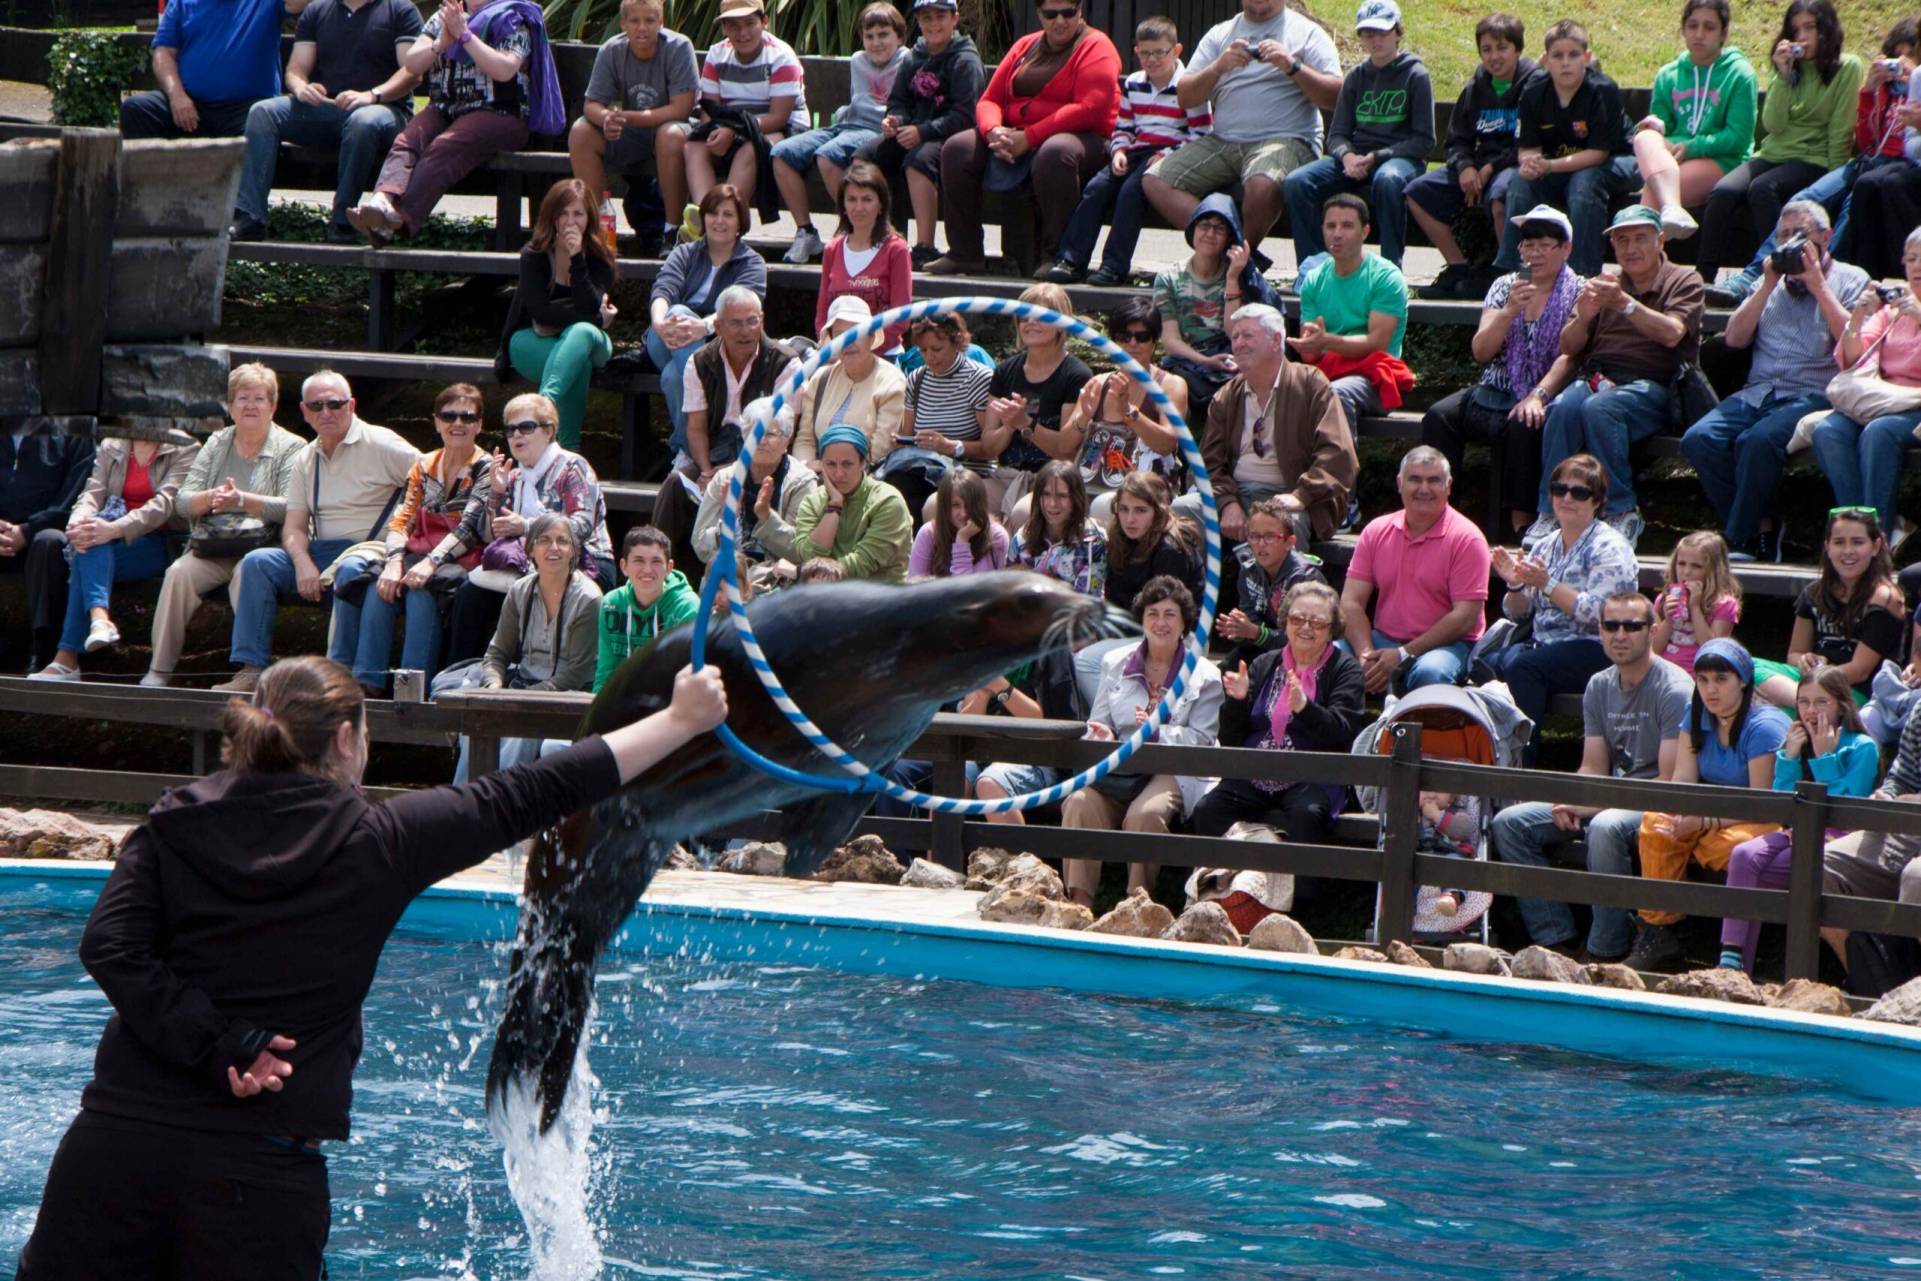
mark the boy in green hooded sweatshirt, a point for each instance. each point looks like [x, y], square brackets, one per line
[1700, 121]
[656, 598]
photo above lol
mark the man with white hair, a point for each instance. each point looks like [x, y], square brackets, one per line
[737, 368]
[1792, 322]
[770, 499]
[343, 487]
[1415, 600]
[1276, 430]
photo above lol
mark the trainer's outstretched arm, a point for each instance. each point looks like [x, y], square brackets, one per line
[699, 704]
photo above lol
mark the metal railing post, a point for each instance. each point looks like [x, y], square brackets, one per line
[1809, 836]
[1401, 813]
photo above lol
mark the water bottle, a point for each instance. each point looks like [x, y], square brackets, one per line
[607, 220]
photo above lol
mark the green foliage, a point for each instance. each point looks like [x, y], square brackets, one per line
[826, 27]
[87, 70]
[284, 284]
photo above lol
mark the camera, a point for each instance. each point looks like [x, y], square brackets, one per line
[1788, 257]
[1890, 294]
[1798, 51]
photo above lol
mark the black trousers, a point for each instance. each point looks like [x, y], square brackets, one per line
[1460, 419]
[1763, 186]
[133, 1199]
[1299, 810]
[44, 565]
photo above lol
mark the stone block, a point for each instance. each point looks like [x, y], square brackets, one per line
[162, 380]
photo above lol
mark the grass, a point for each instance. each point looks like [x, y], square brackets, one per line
[1631, 41]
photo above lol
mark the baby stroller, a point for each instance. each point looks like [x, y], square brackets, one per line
[1475, 725]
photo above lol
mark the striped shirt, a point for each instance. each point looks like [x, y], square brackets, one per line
[776, 73]
[950, 403]
[1151, 117]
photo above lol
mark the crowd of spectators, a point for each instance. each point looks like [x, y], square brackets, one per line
[917, 454]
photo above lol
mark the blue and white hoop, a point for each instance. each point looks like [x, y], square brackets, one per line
[725, 571]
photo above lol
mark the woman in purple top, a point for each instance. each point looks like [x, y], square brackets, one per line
[962, 538]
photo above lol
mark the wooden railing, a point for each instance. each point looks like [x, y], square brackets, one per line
[1394, 864]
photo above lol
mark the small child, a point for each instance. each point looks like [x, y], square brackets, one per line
[1151, 123]
[656, 598]
[932, 100]
[821, 569]
[1450, 825]
[1482, 150]
[1377, 142]
[1700, 600]
[870, 76]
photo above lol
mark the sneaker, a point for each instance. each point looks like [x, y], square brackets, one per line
[1903, 530]
[1062, 271]
[102, 634]
[1308, 265]
[949, 265]
[806, 247]
[245, 681]
[55, 672]
[375, 218]
[1748, 553]
[1677, 223]
[156, 680]
[1543, 525]
[246, 227]
[1451, 283]
[922, 255]
[340, 233]
[1733, 291]
[1102, 278]
[1656, 947]
[1628, 525]
[691, 226]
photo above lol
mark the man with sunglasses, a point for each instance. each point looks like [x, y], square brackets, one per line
[343, 486]
[1423, 571]
[1631, 715]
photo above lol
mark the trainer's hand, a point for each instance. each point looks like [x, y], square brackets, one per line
[267, 1072]
[700, 699]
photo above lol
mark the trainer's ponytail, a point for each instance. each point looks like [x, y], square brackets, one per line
[292, 719]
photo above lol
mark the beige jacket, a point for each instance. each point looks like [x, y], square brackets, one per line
[167, 469]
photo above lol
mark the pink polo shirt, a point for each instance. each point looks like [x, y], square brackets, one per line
[1417, 580]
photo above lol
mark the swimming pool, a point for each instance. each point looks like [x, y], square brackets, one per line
[760, 1118]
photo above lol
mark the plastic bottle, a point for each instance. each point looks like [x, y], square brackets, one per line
[607, 220]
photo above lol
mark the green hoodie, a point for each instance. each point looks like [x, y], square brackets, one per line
[626, 627]
[1724, 94]
[1812, 121]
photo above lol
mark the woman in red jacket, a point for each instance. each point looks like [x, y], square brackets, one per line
[1043, 122]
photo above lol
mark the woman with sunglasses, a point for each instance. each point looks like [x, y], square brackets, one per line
[1041, 124]
[1560, 581]
[535, 475]
[1120, 430]
[425, 562]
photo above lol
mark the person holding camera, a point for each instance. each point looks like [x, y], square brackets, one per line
[1739, 448]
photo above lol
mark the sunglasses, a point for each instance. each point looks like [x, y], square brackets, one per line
[457, 416]
[1873, 513]
[520, 428]
[1307, 622]
[1579, 493]
[1611, 625]
[1137, 335]
[327, 406]
[1059, 15]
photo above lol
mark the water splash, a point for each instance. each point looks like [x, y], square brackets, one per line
[551, 1176]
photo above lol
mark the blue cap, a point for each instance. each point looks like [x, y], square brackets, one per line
[1730, 652]
[844, 434]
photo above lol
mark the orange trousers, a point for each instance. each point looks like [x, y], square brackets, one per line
[1665, 856]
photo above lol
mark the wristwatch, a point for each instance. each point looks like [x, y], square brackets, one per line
[999, 700]
[1629, 307]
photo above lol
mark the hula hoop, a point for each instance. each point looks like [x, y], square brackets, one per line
[725, 570]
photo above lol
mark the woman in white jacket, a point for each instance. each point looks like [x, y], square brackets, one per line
[1132, 683]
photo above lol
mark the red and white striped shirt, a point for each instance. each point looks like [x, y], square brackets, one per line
[1151, 117]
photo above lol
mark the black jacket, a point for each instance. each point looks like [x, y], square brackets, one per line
[41, 478]
[1330, 722]
[251, 905]
[938, 91]
[1170, 556]
[1484, 128]
[588, 279]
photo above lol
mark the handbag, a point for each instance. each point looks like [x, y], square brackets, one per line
[230, 535]
[431, 528]
[1691, 397]
[1864, 395]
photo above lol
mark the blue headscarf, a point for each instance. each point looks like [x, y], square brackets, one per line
[1730, 652]
[844, 434]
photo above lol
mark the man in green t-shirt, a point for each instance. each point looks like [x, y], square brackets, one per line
[1352, 306]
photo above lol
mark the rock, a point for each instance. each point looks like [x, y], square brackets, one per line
[51, 834]
[864, 860]
[1016, 907]
[1062, 915]
[1282, 933]
[1204, 923]
[1027, 873]
[1712, 985]
[1545, 965]
[1811, 997]
[1401, 954]
[680, 860]
[1474, 958]
[1136, 916]
[928, 875]
[756, 858]
[1351, 953]
[1902, 1005]
[1615, 974]
[985, 867]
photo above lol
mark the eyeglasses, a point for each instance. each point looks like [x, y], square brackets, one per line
[520, 428]
[1612, 625]
[458, 415]
[327, 406]
[1059, 15]
[1309, 623]
[1579, 493]
[1265, 538]
[1136, 335]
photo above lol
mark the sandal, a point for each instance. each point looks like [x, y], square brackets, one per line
[56, 672]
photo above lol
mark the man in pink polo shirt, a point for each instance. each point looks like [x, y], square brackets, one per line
[1416, 592]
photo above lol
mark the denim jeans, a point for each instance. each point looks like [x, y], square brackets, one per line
[562, 367]
[1585, 195]
[363, 634]
[1525, 833]
[1441, 666]
[147, 114]
[1739, 450]
[266, 579]
[1105, 194]
[97, 569]
[1308, 188]
[1536, 673]
[1834, 192]
[362, 136]
[1605, 424]
[672, 365]
[1863, 463]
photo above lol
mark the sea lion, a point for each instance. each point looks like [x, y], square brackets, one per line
[868, 663]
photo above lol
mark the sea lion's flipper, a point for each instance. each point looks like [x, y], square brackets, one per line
[814, 828]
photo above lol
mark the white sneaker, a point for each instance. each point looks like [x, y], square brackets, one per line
[1678, 223]
[157, 680]
[805, 249]
[1628, 525]
[102, 634]
[55, 672]
[1543, 525]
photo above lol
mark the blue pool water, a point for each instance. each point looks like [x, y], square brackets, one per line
[771, 1120]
